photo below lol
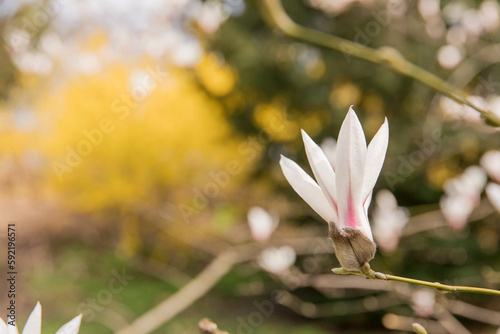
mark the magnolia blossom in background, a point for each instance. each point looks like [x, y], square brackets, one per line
[329, 147]
[456, 210]
[450, 56]
[389, 219]
[277, 260]
[262, 224]
[343, 191]
[493, 193]
[462, 195]
[423, 302]
[455, 110]
[34, 324]
[490, 161]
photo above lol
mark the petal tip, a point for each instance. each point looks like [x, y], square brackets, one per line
[306, 138]
[351, 114]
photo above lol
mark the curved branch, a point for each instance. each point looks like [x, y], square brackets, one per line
[275, 14]
[183, 298]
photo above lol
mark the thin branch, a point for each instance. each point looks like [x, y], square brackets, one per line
[369, 273]
[474, 312]
[183, 298]
[448, 321]
[274, 12]
[338, 308]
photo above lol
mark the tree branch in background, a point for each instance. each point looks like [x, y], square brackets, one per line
[183, 298]
[275, 14]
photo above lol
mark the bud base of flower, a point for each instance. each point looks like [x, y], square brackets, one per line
[352, 248]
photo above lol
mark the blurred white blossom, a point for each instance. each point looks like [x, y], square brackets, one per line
[471, 21]
[146, 27]
[456, 35]
[489, 11]
[490, 161]
[428, 9]
[424, 301]
[455, 111]
[462, 194]
[331, 7]
[389, 219]
[454, 11]
[277, 260]
[449, 56]
[262, 224]
[493, 193]
[456, 210]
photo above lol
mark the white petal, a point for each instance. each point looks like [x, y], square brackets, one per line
[375, 156]
[366, 205]
[3, 327]
[493, 193]
[322, 170]
[12, 329]
[6, 328]
[351, 155]
[34, 323]
[71, 327]
[305, 186]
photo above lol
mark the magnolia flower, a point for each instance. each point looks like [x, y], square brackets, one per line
[343, 192]
[262, 224]
[462, 194]
[490, 161]
[493, 193]
[389, 219]
[276, 260]
[34, 324]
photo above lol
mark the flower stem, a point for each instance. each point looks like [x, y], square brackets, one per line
[369, 273]
[274, 13]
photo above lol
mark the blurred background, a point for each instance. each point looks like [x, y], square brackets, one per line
[137, 136]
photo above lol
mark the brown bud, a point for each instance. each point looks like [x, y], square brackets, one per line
[352, 247]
